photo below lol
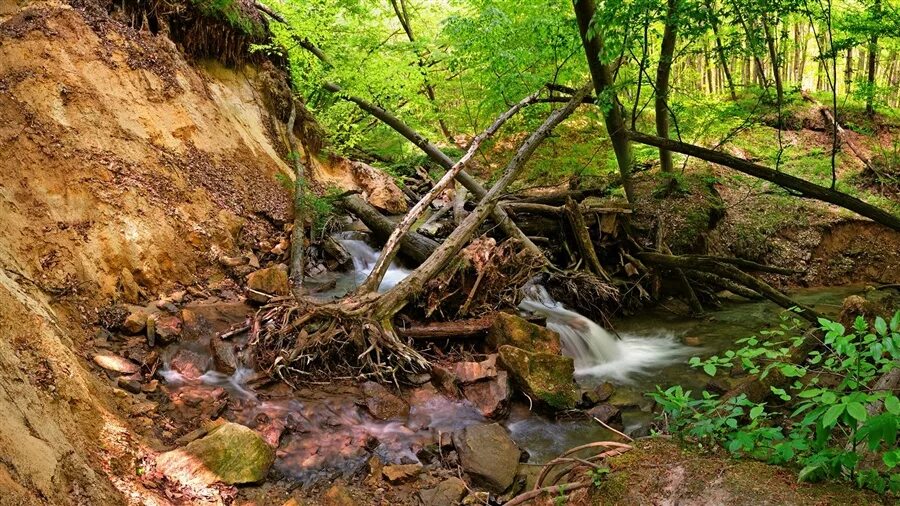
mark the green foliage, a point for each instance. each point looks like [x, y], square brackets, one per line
[598, 475]
[819, 421]
[229, 11]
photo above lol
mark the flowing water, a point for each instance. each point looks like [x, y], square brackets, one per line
[328, 432]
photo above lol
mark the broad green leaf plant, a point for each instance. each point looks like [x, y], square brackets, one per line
[831, 421]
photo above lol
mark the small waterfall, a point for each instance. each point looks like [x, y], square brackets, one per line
[597, 353]
[364, 259]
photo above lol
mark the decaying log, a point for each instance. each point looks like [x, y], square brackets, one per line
[583, 239]
[801, 186]
[730, 272]
[557, 198]
[459, 329]
[547, 209]
[747, 264]
[414, 246]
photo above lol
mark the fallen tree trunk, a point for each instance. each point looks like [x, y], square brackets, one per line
[801, 186]
[722, 283]
[438, 156]
[554, 198]
[459, 329]
[414, 246]
[393, 243]
[583, 239]
[730, 272]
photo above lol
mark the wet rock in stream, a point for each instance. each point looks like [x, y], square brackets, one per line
[230, 453]
[546, 378]
[509, 329]
[115, 363]
[382, 403]
[447, 493]
[490, 396]
[488, 455]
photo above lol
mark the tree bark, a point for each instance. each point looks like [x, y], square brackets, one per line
[663, 70]
[801, 186]
[583, 239]
[776, 64]
[438, 156]
[414, 246]
[602, 79]
[373, 281]
[396, 298]
[298, 235]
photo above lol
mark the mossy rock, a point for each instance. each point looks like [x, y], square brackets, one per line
[231, 453]
[509, 329]
[546, 378]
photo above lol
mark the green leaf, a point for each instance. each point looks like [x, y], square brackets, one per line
[895, 322]
[756, 411]
[829, 397]
[891, 458]
[709, 369]
[858, 411]
[809, 394]
[832, 414]
[892, 405]
[880, 326]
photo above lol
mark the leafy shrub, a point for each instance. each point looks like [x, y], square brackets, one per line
[820, 421]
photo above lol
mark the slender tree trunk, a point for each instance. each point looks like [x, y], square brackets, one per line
[298, 232]
[720, 50]
[602, 79]
[773, 54]
[873, 61]
[848, 71]
[663, 71]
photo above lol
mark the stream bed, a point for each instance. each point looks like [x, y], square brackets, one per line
[325, 430]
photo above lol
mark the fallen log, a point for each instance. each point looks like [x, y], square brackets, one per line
[724, 284]
[733, 273]
[414, 246]
[747, 264]
[459, 329]
[583, 239]
[801, 186]
[555, 198]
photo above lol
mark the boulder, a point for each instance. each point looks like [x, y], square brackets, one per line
[382, 403]
[447, 493]
[545, 377]
[130, 384]
[189, 364]
[116, 363]
[401, 473]
[488, 455]
[270, 281]
[470, 372]
[512, 330]
[136, 321]
[604, 412]
[231, 453]
[492, 396]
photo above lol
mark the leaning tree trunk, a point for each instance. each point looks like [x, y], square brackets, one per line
[415, 247]
[776, 65]
[373, 281]
[663, 70]
[873, 60]
[396, 298]
[503, 220]
[603, 84]
[801, 186]
[720, 50]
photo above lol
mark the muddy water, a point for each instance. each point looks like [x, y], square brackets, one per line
[323, 431]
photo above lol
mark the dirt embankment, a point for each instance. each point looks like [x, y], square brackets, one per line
[125, 171]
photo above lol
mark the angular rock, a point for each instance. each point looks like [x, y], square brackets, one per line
[189, 364]
[491, 397]
[382, 403]
[604, 391]
[194, 325]
[512, 330]
[231, 453]
[445, 380]
[130, 384]
[447, 493]
[116, 363]
[691, 341]
[168, 328]
[136, 321]
[401, 473]
[544, 377]
[604, 412]
[488, 455]
[470, 372]
[224, 358]
[476, 499]
[270, 281]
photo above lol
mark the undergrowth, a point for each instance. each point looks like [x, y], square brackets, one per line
[830, 421]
